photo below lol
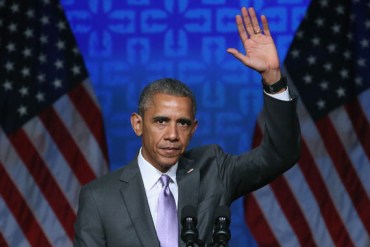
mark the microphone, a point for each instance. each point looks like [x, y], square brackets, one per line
[221, 231]
[189, 232]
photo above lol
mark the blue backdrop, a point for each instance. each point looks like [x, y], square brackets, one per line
[128, 43]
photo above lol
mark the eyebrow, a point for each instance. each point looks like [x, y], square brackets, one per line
[164, 118]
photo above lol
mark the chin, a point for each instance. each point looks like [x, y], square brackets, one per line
[169, 162]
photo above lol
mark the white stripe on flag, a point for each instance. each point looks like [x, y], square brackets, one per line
[353, 147]
[59, 168]
[308, 205]
[79, 132]
[365, 102]
[87, 84]
[9, 227]
[275, 217]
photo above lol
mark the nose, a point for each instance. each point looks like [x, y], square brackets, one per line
[172, 133]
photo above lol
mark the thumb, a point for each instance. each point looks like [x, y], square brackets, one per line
[241, 57]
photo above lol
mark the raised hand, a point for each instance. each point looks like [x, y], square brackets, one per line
[260, 50]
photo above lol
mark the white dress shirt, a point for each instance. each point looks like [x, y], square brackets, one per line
[153, 186]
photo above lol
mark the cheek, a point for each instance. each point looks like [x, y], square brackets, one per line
[152, 137]
[185, 137]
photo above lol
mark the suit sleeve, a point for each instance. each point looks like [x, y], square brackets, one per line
[278, 151]
[89, 230]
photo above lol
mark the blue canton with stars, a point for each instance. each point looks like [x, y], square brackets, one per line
[345, 48]
[58, 67]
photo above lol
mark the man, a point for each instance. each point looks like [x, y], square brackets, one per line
[124, 208]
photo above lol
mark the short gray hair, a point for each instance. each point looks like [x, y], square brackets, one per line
[165, 86]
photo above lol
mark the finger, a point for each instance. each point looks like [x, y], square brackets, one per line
[241, 57]
[236, 53]
[232, 50]
[265, 26]
[242, 33]
[247, 21]
[254, 20]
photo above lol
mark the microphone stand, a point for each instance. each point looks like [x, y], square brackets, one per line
[199, 243]
[189, 232]
[221, 231]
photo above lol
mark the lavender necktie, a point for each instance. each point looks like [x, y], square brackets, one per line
[167, 225]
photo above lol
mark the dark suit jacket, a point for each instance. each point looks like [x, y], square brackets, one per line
[113, 210]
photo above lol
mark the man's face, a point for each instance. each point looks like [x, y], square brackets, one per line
[166, 129]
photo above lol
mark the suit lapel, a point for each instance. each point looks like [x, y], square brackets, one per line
[134, 196]
[188, 184]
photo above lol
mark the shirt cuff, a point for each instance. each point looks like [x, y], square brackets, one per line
[285, 96]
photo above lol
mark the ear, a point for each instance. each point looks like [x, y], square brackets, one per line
[137, 123]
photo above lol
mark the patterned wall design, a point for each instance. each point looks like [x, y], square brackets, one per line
[128, 43]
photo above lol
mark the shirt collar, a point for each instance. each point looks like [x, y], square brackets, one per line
[151, 175]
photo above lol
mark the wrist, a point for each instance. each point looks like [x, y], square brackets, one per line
[276, 87]
[271, 76]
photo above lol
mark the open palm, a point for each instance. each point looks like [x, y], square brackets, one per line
[260, 50]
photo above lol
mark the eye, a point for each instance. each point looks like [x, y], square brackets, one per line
[161, 120]
[184, 122]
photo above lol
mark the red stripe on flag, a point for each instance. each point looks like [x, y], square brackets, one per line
[254, 217]
[292, 211]
[257, 136]
[21, 212]
[345, 170]
[90, 113]
[360, 124]
[67, 146]
[43, 177]
[3, 243]
[333, 221]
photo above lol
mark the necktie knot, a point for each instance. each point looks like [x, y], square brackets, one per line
[165, 180]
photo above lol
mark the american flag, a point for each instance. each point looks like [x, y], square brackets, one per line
[51, 131]
[324, 199]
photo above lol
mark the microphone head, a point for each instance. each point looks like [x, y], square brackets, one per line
[189, 213]
[222, 212]
[221, 231]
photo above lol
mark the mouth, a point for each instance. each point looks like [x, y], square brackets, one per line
[171, 151]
